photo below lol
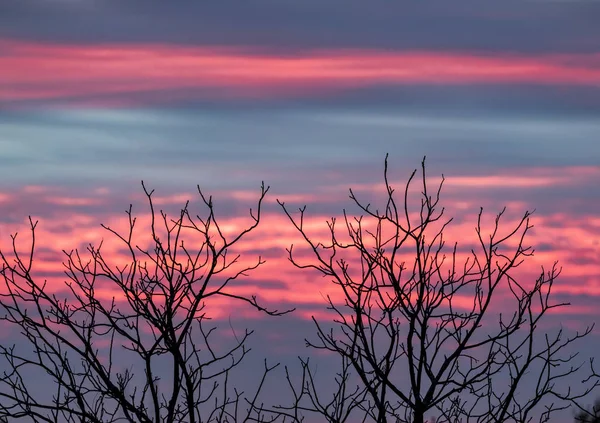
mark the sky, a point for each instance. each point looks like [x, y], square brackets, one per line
[502, 98]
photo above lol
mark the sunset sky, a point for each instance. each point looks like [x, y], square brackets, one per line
[308, 95]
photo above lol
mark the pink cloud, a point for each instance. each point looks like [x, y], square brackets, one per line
[72, 201]
[302, 288]
[67, 221]
[515, 178]
[53, 71]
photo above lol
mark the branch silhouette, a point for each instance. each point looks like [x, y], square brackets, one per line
[157, 318]
[422, 328]
[416, 325]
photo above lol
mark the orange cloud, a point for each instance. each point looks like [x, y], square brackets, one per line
[55, 71]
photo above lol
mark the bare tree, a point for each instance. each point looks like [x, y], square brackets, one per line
[146, 354]
[423, 328]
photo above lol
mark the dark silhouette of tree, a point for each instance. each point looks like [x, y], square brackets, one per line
[591, 415]
[422, 330]
[426, 329]
[144, 352]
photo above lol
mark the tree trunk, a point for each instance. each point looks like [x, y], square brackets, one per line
[419, 417]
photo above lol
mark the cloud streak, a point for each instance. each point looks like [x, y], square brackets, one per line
[572, 238]
[286, 26]
[54, 72]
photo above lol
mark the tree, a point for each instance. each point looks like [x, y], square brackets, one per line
[146, 354]
[418, 325]
[589, 416]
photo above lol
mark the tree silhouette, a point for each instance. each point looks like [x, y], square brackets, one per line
[423, 328]
[144, 352]
[591, 415]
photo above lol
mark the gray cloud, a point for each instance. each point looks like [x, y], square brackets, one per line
[287, 26]
[290, 148]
